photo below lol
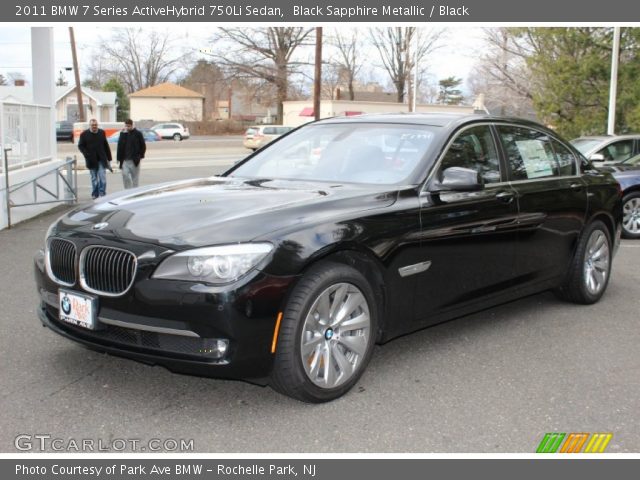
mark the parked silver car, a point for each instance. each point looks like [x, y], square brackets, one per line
[176, 131]
[608, 148]
[258, 136]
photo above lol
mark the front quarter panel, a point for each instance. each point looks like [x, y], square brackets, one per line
[388, 236]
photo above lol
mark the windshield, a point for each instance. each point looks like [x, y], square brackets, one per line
[585, 145]
[355, 152]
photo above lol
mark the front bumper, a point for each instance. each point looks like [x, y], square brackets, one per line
[172, 323]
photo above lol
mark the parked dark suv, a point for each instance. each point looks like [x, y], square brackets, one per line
[64, 131]
[347, 232]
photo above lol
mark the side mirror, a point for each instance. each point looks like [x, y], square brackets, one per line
[597, 157]
[458, 179]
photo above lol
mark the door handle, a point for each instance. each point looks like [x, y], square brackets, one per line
[506, 197]
[576, 187]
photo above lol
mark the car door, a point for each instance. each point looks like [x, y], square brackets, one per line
[552, 201]
[468, 237]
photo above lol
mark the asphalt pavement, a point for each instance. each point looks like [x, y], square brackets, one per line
[496, 381]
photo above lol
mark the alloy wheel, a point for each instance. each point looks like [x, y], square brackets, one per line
[631, 216]
[335, 335]
[596, 262]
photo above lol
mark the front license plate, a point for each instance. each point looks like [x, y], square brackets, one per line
[78, 309]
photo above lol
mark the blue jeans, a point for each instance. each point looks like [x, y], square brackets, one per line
[98, 182]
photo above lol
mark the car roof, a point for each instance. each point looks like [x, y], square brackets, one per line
[605, 138]
[431, 119]
[436, 119]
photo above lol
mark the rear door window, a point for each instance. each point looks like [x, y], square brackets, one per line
[565, 158]
[529, 153]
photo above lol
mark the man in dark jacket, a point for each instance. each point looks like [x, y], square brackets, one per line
[131, 149]
[97, 155]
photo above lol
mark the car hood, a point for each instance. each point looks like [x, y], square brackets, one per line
[218, 210]
[620, 169]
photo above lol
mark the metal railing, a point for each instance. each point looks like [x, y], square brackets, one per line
[68, 181]
[26, 132]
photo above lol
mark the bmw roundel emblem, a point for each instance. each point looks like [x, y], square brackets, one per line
[100, 226]
[66, 305]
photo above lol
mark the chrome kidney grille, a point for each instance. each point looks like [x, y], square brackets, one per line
[62, 261]
[107, 270]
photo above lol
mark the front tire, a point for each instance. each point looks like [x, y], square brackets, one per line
[327, 334]
[590, 269]
[631, 215]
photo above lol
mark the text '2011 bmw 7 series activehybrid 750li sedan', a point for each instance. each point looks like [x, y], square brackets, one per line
[347, 232]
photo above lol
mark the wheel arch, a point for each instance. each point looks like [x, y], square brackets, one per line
[608, 221]
[363, 260]
[632, 189]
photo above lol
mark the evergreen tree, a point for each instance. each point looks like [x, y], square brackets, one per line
[450, 94]
[113, 85]
[571, 69]
[62, 80]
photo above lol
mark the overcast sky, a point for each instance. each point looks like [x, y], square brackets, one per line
[455, 58]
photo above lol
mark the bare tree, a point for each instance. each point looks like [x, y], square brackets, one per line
[331, 80]
[396, 48]
[264, 53]
[347, 62]
[99, 71]
[139, 58]
[208, 79]
[502, 73]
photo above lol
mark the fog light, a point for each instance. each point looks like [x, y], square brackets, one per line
[214, 347]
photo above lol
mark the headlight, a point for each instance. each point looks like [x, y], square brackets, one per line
[223, 264]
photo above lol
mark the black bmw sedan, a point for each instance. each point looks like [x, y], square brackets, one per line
[289, 267]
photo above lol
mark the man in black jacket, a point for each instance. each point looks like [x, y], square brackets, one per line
[97, 155]
[131, 149]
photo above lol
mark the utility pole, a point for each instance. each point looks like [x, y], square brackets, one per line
[318, 80]
[76, 71]
[414, 94]
[613, 86]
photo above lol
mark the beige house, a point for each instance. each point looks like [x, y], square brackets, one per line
[299, 112]
[99, 105]
[166, 102]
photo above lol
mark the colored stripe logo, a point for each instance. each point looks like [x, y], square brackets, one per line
[598, 442]
[573, 443]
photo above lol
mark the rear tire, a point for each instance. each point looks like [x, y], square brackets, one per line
[177, 137]
[590, 269]
[631, 215]
[326, 335]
